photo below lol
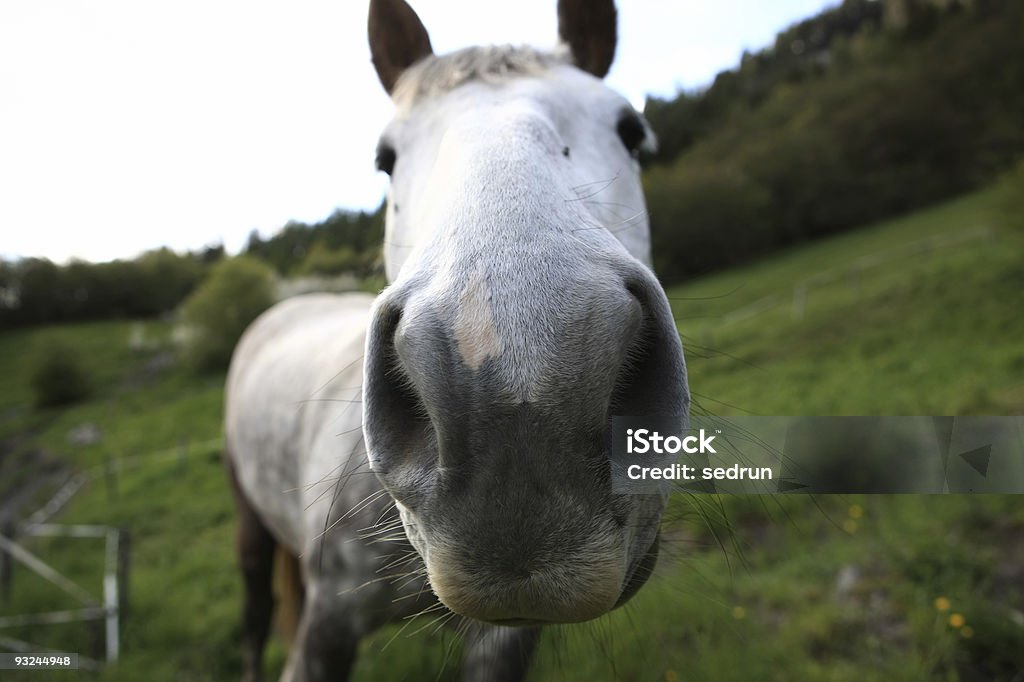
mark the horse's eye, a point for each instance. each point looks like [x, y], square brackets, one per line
[385, 159]
[632, 132]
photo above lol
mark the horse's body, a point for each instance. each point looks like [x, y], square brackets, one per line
[469, 404]
[283, 438]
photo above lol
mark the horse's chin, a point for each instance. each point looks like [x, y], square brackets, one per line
[640, 571]
[638, 577]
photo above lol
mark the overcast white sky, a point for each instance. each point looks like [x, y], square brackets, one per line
[131, 124]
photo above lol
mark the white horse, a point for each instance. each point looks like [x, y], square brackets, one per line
[463, 416]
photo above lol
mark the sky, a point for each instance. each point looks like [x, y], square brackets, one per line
[126, 125]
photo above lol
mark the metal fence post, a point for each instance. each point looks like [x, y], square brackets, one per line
[6, 565]
[110, 593]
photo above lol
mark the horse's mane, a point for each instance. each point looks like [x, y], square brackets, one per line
[437, 74]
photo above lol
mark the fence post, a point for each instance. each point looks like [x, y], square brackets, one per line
[6, 564]
[110, 594]
[124, 565]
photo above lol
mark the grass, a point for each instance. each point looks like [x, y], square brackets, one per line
[781, 588]
[929, 330]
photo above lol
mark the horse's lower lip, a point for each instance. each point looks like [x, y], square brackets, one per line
[519, 622]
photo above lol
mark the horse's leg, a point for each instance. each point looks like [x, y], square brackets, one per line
[255, 546]
[325, 645]
[497, 654]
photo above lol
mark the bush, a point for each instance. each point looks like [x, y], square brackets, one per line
[325, 261]
[59, 376]
[704, 219]
[217, 313]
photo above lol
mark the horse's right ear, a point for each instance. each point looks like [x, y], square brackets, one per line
[397, 39]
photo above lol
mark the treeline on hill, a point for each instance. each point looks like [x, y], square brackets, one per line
[344, 242]
[38, 291]
[854, 115]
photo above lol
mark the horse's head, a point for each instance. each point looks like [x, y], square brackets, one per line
[522, 314]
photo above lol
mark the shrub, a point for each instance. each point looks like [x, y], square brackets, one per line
[322, 260]
[704, 219]
[216, 314]
[59, 376]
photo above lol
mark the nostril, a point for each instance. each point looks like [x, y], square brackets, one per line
[652, 377]
[396, 423]
[405, 400]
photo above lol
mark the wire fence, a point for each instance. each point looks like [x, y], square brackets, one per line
[107, 610]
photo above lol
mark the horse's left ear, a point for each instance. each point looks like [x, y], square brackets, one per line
[588, 27]
[397, 39]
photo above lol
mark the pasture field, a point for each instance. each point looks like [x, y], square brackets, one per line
[917, 316]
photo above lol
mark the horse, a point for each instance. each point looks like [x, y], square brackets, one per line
[443, 448]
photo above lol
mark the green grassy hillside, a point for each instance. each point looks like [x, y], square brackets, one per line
[916, 316]
[919, 316]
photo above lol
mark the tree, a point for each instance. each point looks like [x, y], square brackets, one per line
[215, 315]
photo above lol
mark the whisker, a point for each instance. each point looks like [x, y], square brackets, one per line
[410, 620]
[440, 623]
[372, 581]
[605, 184]
[420, 573]
[338, 490]
[328, 400]
[340, 372]
[336, 479]
[404, 558]
[706, 298]
[721, 402]
[368, 500]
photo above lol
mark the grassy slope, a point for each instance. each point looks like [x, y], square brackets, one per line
[922, 334]
[928, 331]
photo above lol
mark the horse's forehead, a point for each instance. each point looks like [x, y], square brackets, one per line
[470, 155]
[560, 93]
